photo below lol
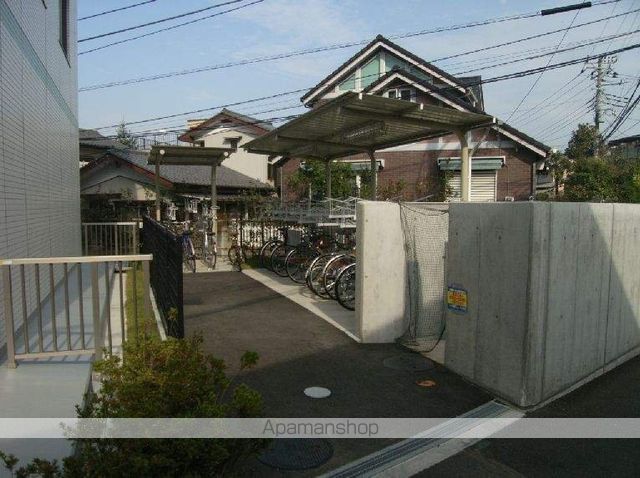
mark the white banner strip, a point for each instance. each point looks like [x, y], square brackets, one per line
[464, 428]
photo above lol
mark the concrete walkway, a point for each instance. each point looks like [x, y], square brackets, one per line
[298, 349]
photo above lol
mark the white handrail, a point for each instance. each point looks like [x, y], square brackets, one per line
[74, 259]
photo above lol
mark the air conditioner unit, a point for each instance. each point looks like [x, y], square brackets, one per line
[509, 198]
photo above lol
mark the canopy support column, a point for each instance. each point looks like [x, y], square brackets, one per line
[157, 179]
[214, 197]
[327, 176]
[374, 175]
[465, 169]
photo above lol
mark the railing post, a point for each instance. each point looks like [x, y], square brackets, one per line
[97, 323]
[86, 240]
[146, 287]
[8, 316]
[135, 238]
[116, 234]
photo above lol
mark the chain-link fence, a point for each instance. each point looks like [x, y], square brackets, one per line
[425, 230]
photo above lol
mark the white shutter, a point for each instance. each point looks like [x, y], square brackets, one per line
[483, 186]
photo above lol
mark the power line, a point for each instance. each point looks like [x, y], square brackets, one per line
[542, 72]
[156, 22]
[494, 79]
[155, 32]
[339, 46]
[577, 46]
[107, 12]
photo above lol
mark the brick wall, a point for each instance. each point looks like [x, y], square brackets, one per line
[39, 176]
[418, 170]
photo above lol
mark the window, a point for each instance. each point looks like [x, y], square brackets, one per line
[64, 26]
[405, 94]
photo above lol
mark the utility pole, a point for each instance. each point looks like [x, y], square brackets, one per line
[602, 70]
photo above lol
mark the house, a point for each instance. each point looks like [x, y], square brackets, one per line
[628, 147]
[505, 161]
[93, 145]
[228, 128]
[122, 180]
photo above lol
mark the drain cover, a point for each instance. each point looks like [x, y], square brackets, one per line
[317, 392]
[297, 454]
[410, 362]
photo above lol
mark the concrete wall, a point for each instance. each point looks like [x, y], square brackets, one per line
[381, 270]
[39, 177]
[553, 295]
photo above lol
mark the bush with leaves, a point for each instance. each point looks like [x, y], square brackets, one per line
[173, 379]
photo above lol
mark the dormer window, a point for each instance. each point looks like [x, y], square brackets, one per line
[405, 94]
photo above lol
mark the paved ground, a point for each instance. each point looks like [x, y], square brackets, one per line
[616, 394]
[297, 349]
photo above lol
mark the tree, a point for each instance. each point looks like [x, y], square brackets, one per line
[591, 179]
[124, 136]
[176, 379]
[585, 142]
[558, 165]
[312, 174]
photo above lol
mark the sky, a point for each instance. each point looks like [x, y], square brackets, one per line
[559, 101]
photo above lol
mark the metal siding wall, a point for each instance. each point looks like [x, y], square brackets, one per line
[39, 180]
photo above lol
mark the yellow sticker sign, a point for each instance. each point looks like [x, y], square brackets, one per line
[457, 299]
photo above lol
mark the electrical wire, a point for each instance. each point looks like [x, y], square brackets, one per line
[107, 12]
[173, 27]
[508, 76]
[156, 22]
[281, 56]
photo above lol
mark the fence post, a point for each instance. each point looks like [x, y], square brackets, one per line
[86, 240]
[146, 287]
[135, 238]
[8, 316]
[97, 323]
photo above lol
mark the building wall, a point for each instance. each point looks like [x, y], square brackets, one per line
[39, 180]
[250, 164]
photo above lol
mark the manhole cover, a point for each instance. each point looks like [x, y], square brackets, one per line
[410, 362]
[317, 392]
[297, 454]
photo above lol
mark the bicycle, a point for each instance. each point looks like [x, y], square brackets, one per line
[209, 245]
[299, 259]
[345, 287]
[264, 256]
[188, 251]
[235, 253]
[332, 270]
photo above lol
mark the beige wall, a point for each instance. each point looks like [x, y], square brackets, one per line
[249, 164]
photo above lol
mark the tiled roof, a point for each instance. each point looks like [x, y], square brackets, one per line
[93, 139]
[196, 175]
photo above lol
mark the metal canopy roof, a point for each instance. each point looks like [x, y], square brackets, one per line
[187, 155]
[356, 123]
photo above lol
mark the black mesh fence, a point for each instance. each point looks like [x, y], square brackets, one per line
[166, 273]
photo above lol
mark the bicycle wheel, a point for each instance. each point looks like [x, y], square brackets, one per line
[278, 257]
[331, 271]
[297, 263]
[265, 253]
[345, 287]
[188, 254]
[314, 274]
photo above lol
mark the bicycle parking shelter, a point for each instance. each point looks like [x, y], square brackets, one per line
[356, 123]
[188, 156]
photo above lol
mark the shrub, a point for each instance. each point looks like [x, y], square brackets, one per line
[174, 379]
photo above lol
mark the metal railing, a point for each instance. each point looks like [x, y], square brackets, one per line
[110, 238]
[62, 306]
[166, 274]
[326, 212]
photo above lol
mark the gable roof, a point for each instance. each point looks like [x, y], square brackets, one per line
[378, 44]
[194, 175]
[255, 125]
[459, 104]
